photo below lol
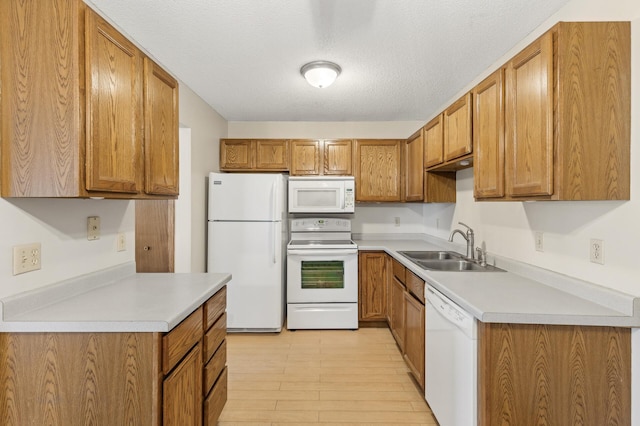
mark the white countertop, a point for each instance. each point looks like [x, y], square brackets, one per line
[117, 300]
[523, 294]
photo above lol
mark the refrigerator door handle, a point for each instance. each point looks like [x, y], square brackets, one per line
[275, 240]
[274, 200]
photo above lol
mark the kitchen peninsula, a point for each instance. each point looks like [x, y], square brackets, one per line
[116, 347]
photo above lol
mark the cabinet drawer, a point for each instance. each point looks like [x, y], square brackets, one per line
[214, 403]
[178, 341]
[398, 270]
[215, 336]
[214, 307]
[214, 367]
[415, 285]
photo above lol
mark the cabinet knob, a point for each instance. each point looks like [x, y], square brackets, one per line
[147, 248]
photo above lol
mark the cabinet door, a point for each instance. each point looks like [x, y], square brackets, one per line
[457, 129]
[305, 157]
[372, 286]
[337, 157]
[236, 154]
[414, 337]
[396, 317]
[272, 155]
[114, 109]
[529, 120]
[414, 175]
[182, 392]
[378, 170]
[434, 142]
[488, 137]
[160, 131]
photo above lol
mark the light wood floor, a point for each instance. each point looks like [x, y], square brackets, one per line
[325, 377]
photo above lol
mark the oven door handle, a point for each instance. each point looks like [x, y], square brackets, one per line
[324, 252]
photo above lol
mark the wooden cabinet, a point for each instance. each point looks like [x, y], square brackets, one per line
[488, 136]
[397, 304]
[372, 286]
[118, 377]
[433, 142]
[457, 129]
[378, 170]
[567, 108]
[73, 108]
[553, 375]
[414, 170]
[321, 157]
[254, 155]
[414, 326]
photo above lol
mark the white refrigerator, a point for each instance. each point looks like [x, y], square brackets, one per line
[247, 236]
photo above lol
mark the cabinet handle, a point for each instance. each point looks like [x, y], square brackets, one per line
[147, 248]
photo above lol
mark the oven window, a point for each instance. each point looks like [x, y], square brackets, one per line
[322, 274]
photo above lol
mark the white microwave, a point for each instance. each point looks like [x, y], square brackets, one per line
[321, 194]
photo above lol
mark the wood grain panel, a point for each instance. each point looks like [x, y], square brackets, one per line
[554, 375]
[161, 162]
[414, 170]
[272, 155]
[236, 154]
[338, 157]
[214, 403]
[214, 367]
[42, 105]
[214, 307]
[396, 316]
[155, 235]
[178, 341]
[305, 157]
[434, 142]
[399, 270]
[488, 137]
[439, 187]
[415, 285]
[69, 379]
[182, 395]
[414, 326]
[457, 124]
[378, 170]
[593, 98]
[114, 109]
[372, 285]
[529, 120]
[214, 336]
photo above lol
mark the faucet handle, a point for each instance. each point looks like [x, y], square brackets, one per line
[482, 256]
[469, 229]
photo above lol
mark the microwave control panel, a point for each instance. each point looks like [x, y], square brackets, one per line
[349, 197]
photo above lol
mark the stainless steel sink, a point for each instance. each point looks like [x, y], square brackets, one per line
[430, 255]
[446, 261]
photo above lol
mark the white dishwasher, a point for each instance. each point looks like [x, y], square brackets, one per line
[451, 362]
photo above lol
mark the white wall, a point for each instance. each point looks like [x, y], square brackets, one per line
[323, 129]
[207, 127]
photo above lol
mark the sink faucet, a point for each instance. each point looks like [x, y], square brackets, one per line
[468, 237]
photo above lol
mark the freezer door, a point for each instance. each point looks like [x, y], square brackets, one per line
[246, 197]
[253, 252]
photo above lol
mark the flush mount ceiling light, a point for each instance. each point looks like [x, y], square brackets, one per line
[320, 74]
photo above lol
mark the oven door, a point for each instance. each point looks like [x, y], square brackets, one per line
[322, 275]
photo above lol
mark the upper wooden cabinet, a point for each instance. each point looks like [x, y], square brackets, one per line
[457, 129]
[254, 155]
[566, 118]
[414, 170]
[378, 169]
[73, 111]
[488, 136]
[434, 142]
[321, 157]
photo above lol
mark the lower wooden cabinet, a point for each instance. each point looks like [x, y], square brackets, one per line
[396, 316]
[132, 378]
[372, 286]
[414, 337]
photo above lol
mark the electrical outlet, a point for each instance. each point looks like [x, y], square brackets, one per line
[122, 241]
[397, 220]
[596, 251]
[539, 240]
[93, 228]
[26, 258]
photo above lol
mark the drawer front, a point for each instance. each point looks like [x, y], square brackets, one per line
[215, 336]
[399, 270]
[214, 367]
[178, 341]
[415, 285]
[214, 307]
[214, 403]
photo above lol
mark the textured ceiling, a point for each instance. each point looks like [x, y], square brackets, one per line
[400, 59]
